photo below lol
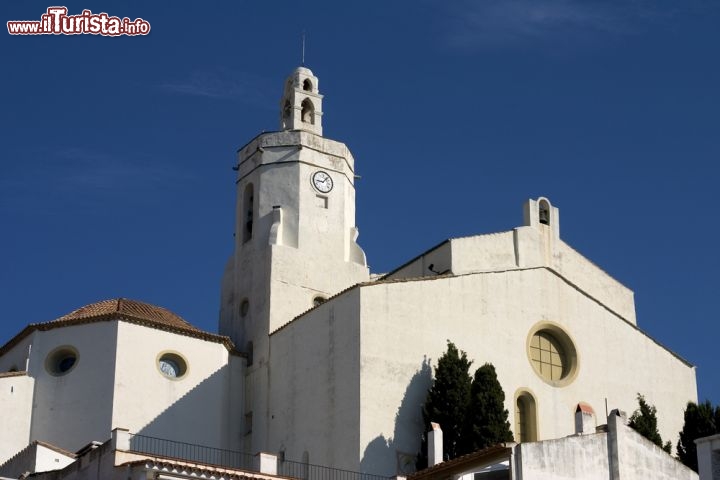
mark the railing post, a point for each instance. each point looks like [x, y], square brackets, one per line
[266, 463]
[120, 439]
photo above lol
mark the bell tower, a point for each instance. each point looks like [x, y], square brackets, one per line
[301, 103]
[295, 237]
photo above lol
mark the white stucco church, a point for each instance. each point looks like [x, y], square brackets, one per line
[321, 361]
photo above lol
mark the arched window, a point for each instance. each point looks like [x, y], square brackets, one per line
[525, 418]
[248, 208]
[308, 112]
[287, 111]
[319, 300]
[544, 212]
[307, 85]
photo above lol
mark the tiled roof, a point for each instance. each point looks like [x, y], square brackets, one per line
[187, 469]
[127, 310]
[465, 463]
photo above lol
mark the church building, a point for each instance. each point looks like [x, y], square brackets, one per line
[320, 361]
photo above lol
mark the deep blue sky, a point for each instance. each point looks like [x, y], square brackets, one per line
[116, 153]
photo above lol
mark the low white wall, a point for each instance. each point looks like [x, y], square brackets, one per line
[634, 456]
[582, 457]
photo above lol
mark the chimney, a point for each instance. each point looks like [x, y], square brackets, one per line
[435, 445]
[619, 413]
[584, 419]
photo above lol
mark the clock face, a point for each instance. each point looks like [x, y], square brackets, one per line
[322, 181]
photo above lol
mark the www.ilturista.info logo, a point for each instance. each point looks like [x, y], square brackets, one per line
[57, 22]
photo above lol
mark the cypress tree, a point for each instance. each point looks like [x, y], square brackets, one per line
[700, 421]
[447, 402]
[487, 419]
[644, 421]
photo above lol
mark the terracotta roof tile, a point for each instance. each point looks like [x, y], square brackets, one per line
[129, 308]
[447, 469]
[132, 311]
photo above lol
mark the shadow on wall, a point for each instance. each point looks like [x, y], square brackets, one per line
[199, 417]
[388, 456]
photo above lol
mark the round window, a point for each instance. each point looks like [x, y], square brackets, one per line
[552, 354]
[172, 365]
[319, 300]
[61, 360]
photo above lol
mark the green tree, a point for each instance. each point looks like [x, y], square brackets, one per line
[700, 421]
[644, 421]
[447, 402]
[487, 418]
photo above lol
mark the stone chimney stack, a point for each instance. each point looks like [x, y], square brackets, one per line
[435, 445]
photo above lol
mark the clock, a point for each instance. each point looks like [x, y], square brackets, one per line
[322, 181]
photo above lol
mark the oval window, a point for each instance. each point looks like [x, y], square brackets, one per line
[61, 360]
[172, 365]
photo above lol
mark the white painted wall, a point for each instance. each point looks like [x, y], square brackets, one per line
[634, 456]
[34, 457]
[116, 383]
[490, 315]
[72, 410]
[314, 377]
[16, 394]
[48, 459]
[708, 454]
[198, 408]
[579, 458]
[18, 356]
[440, 257]
[619, 454]
[524, 248]
[404, 325]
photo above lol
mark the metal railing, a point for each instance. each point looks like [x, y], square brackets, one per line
[307, 471]
[190, 452]
[238, 460]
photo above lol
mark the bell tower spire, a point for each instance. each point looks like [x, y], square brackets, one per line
[301, 103]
